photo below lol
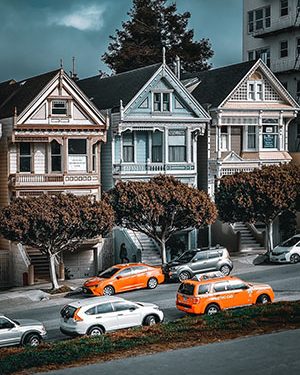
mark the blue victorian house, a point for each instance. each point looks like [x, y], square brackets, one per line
[154, 126]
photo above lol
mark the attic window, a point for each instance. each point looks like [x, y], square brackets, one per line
[59, 107]
[161, 102]
[255, 90]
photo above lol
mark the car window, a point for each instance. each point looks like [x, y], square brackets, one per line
[68, 311]
[187, 256]
[109, 272]
[213, 254]
[186, 288]
[4, 323]
[123, 305]
[201, 256]
[237, 284]
[103, 308]
[139, 269]
[220, 287]
[203, 289]
[290, 242]
[125, 272]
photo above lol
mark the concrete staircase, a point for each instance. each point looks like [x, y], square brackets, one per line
[248, 241]
[41, 264]
[149, 251]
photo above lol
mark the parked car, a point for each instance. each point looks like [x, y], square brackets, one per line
[21, 331]
[124, 277]
[287, 252]
[209, 296]
[192, 262]
[96, 316]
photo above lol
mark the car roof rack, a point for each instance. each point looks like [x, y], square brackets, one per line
[208, 276]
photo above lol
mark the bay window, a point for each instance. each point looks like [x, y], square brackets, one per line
[77, 155]
[128, 147]
[25, 157]
[270, 134]
[157, 147]
[177, 145]
[55, 149]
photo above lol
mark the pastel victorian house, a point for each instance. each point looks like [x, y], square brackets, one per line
[51, 141]
[251, 112]
[155, 125]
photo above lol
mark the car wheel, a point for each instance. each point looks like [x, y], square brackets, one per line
[150, 320]
[295, 258]
[263, 299]
[95, 331]
[152, 283]
[33, 340]
[108, 290]
[225, 270]
[212, 309]
[184, 275]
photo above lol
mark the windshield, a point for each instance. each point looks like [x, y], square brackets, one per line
[109, 272]
[15, 321]
[187, 256]
[290, 242]
[186, 289]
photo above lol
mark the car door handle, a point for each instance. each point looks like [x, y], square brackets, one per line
[98, 317]
[120, 314]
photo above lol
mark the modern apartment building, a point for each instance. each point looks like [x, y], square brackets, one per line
[271, 31]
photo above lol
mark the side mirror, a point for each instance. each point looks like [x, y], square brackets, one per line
[194, 260]
[119, 277]
[132, 308]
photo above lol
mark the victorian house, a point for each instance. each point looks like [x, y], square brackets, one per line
[251, 112]
[51, 142]
[155, 125]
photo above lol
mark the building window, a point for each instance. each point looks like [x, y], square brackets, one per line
[263, 54]
[157, 147]
[77, 155]
[224, 138]
[284, 8]
[177, 146]
[251, 55]
[255, 90]
[284, 48]
[259, 19]
[270, 134]
[251, 137]
[94, 158]
[55, 148]
[59, 107]
[25, 157]
[128, 147]
[161, 102]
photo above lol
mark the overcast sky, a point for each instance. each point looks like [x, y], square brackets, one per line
[36, 34]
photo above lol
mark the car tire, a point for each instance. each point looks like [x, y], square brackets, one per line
[95, 331]
[184, 275]
[212, 309]
[150, 320]
[33, 340]
[263, 299]
[294, 258]
[225, 270]
[109, 290]
[152, 283]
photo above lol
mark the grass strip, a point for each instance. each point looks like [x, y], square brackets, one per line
[188, 331]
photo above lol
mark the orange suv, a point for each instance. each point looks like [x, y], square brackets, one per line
[124, 277]
[210, 295]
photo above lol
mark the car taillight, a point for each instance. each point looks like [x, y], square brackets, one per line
[76, 317]
[195, 300]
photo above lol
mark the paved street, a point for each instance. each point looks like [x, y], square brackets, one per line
[285, 280]
[241, 356]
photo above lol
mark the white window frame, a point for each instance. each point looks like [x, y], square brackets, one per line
[226, 136]
[258, 95]
[281, 8]
[277, 133]
[55, 101]
[162, 93]
[246, 140]
[133, 145]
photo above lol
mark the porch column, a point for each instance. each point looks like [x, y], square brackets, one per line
[260, 137]
[166, 144]
[189, 145]
[281, 132]
[218, 144]
[65, 155]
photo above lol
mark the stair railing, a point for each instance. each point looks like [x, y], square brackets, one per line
[24, 254]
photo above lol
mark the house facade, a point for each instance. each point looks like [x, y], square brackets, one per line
[51, 143]
[155, 125]
[271, 31]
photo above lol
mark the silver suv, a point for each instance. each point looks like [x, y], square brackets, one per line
[192, 262]
[21, 331]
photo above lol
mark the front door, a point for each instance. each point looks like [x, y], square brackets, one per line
[104, 314]
[125, 280]
[199, 262]
[241, 293]
[9, 333]
[128, 314]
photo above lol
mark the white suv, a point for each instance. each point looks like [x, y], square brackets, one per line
[99, 315]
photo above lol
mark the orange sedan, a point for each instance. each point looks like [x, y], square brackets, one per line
[209, 296]
[124, 277]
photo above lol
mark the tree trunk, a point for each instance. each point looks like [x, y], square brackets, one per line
[269, 234]
[53, 272]
[163, 251]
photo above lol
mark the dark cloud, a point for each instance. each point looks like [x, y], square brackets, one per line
[36, 34]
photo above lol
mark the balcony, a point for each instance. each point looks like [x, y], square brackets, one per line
[285, 65]
[284, 24]
[59, 180]
[153, 168]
